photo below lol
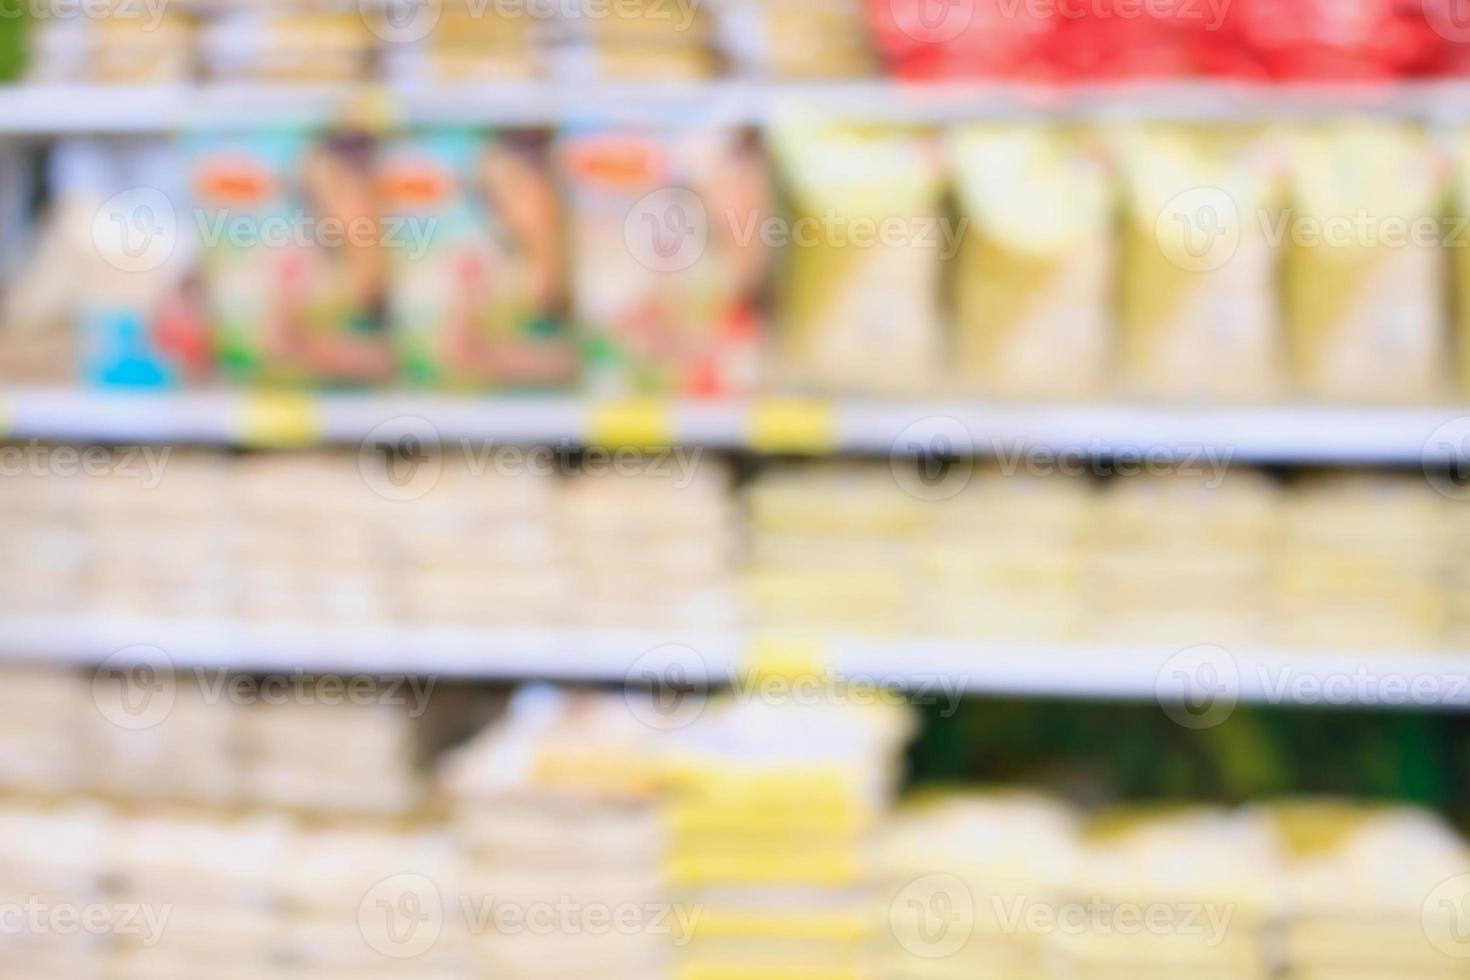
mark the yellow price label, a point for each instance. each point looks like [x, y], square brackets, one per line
[789, 425]
[786, 656]
[636, 423]
[279, 420]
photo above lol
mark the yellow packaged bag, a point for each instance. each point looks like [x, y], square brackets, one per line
[1458, 241]
[865, 238]
[1364, 271]
[1032, 291]
[1197, 288]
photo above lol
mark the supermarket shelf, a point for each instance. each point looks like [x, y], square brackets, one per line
[43, 109]
[929, 669]
[1290, 434]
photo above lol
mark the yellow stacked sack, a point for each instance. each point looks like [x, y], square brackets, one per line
[1184, 559]
[1006, 559]
[558, 810]
[859, 304]
[964, 876]
[1359, 564]
[1458, 243]
[1374, 892]
[1170, 893]
[834, 546]
[798, 39]
[1198, 287]
[283, 45]
[633, 39]
[456, 41]
[771, 831]
[116, 42]
[1033, 283]
[1365, 287]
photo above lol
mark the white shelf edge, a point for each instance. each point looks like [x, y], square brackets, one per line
[929, 668]
[58, 108]
[1287, 434]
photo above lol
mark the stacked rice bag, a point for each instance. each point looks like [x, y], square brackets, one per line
[51, 857]
[1181, 559]
[38, 711]
[1373, 891]
[771, 834]
[1198, 301]
[522, 578]
[1168, 894]
[456, 41]
[650, 551]
[1365, 293]
[284, 44]
[1033, 284]
[962, 875]
[1007, 559]
[480, 301]
[1358, 566]
[129, 44]
[210, 876]
[859, 302]
[833, 546]
[667, 258]
[560, 805]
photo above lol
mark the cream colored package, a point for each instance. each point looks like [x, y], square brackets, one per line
[1033, 276]
[859, 305]
[1198, 302]
[1458, 241]
[1365, 279]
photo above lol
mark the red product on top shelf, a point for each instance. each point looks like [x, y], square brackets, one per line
[1340, 40]
[1450, 22]
[939, 39]
[1124, 39]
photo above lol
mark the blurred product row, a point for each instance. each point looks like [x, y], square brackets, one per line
[1328, 262]
[493, 40]
[1342, 561]
[587, 832]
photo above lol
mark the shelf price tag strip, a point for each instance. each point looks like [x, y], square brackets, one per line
[633, 423]
[790, 425]
[278, 420]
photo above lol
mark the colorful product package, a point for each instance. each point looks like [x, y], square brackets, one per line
[111, 271]
[976, 39]
[1198, 285]
[796, 38]
[476, 288]
[1365, 272]
[1033, 283]
[292, 257]
[859, 303]
[667, 258]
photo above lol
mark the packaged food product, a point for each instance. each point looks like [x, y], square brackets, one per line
[286, 45]
[476, 294]
[1364, 282]
[1033, 303]
[796, 38]
[1457, 241]
[635, 39]
[467, 43]
[1198, 280]
[1161, 39]
[859, 301]
[293, 267]
[130, 43]
[976, 39]
[667, 258]
[1338, 39]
